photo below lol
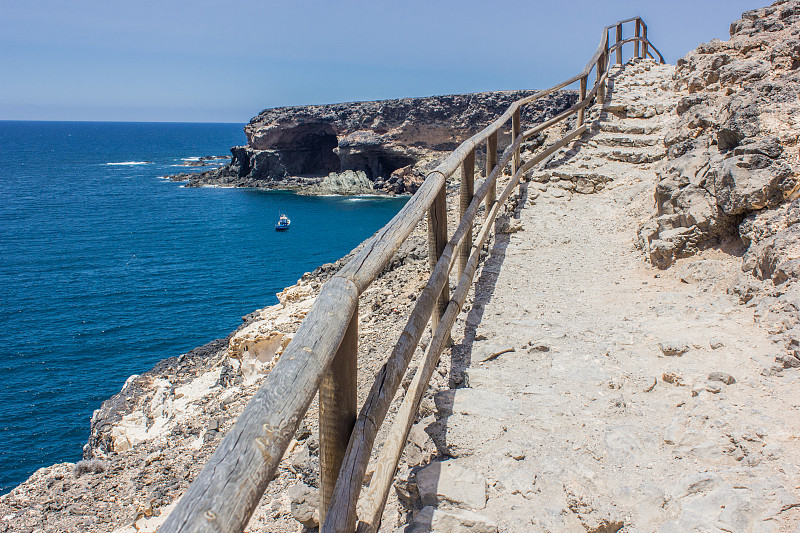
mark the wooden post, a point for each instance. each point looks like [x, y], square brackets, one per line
[467, 191]
[437, 240]
[644, 36]
[601, 91]
[491, 162]
[606, 61]
[581, 99]
[337, 412]
[619, 40]
[515, 130]
[636, 43]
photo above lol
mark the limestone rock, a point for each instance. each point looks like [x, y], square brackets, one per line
[506, 225]
[257, 346]
[433, 520]
[469, 401]
[594, 516]
[447, 482]
[296, 293]
[348, 182]
[517, 481]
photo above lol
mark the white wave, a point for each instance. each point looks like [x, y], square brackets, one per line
[368, 197]
[131, 163]
[190, 158]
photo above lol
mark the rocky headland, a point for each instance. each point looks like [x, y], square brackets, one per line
[379, 147]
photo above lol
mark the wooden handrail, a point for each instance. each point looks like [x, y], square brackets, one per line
[224, 495]
[393, 447]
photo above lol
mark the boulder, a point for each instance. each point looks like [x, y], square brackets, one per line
[348, 182]
[752, 182]
[728, 160]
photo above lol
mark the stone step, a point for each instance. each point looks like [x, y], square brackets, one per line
[631, 155]
[628, 108]
[632, 141]
[631, 102]
[579, 180]
[626, 127]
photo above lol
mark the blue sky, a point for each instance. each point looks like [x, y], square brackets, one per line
[213, 61]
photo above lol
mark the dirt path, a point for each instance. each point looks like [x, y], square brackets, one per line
[633, 398]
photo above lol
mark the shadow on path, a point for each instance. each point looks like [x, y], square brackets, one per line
[461, 354]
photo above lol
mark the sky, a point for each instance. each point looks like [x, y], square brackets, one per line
[214, 61]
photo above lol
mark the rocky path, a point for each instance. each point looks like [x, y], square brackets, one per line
[597, 393]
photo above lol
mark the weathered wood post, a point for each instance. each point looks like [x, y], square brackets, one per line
[467, 191]
[636, 43]
[491, 162]
[644, 36]
[515, 131]
[601, 87]
[582, 95]
[602, 65]
[619, 48]
[337, 412]
[437, 240]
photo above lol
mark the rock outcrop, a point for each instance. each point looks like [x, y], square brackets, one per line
[730, 178]
[385, 146]
[731, 151]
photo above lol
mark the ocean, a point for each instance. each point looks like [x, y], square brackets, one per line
[106, 268]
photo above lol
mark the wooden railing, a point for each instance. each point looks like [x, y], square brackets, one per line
[322, 354]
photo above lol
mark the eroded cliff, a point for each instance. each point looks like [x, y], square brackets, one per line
[390, 143]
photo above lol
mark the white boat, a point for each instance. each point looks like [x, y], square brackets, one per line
[283, 223]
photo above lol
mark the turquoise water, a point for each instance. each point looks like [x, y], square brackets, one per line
[105, 268]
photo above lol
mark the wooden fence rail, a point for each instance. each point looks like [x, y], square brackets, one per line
[322, 355]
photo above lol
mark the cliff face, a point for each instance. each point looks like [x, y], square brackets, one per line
[393, 142]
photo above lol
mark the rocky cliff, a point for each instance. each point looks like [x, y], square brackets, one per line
[730, 177]
[391, 143]
[731, 151]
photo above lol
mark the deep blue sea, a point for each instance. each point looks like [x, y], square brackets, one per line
[105, 268]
